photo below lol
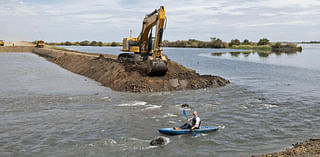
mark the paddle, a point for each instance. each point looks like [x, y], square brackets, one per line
[185, 114]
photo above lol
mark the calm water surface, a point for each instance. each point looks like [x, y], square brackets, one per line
[48, 111]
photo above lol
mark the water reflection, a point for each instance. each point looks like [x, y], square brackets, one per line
[262, 54]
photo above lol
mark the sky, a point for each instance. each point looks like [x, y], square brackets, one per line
[111, 20]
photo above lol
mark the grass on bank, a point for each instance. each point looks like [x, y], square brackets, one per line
[253, 47]
[57, 48]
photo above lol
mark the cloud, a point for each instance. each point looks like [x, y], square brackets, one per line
[252, 24]
[111, 20]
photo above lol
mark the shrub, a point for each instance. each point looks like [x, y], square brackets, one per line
[84, 43]
[277, 45]
[234, 42]
[246, 42]
[217, 43]
[93, 43]
[115, 44]
[263, 41]
[100, 43]
[263, 47]
[68, 43]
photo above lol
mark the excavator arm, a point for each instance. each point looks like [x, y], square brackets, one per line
[156, 18]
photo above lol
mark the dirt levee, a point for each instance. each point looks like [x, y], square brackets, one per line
[129, 77]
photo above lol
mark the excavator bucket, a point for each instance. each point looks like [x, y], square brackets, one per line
[157, 67]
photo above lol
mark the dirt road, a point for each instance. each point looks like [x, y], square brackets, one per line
[18, 43]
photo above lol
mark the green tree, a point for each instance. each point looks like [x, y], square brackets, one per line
[277, 45]
[263, 41]
[216, 43]
[100, 43]
[93, 43]
[84, 43]
[68, 43]
[115, 44]
[234, 42]
[246, 42]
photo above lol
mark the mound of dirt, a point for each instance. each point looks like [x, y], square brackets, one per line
[309, 148]
[129, 77]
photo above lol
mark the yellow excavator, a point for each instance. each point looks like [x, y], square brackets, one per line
[1, 43]
[39, 43]
[145, 47]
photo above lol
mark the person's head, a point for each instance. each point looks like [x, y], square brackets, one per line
[195, 113]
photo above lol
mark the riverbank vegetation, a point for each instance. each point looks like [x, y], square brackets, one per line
[85, 43]
[263, 45]
[309, 42]
[193, 43]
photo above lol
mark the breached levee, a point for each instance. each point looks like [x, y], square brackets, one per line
[128, 77]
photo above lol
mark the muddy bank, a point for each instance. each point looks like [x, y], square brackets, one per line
[125, 77]
[309, 148]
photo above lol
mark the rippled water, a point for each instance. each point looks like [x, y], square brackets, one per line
[48, 111]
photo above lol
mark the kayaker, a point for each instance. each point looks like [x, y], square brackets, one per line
[195, 123]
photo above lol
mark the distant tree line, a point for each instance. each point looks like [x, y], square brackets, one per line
[193, 43]
[310, 42]
[85, 43]
[213, 43]
[262, 45]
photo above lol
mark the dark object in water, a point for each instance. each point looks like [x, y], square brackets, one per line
[158, 141]
[185, 106]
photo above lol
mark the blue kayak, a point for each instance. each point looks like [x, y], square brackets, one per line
[202, 129]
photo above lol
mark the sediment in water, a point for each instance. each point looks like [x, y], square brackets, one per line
[128, 77]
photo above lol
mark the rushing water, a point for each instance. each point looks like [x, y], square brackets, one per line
[48, 111]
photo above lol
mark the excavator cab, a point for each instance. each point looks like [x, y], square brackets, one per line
[1, 43]
[39, 43]
[145, 47]
[130, 45]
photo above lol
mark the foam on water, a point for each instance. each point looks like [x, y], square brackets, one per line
[172, 122]
[169, 115]
[141, 104]
[221, 127]
[106, 98]
[152, 107]
[267, 106]
[135, 103]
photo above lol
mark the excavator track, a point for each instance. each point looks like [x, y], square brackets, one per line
[129, 58]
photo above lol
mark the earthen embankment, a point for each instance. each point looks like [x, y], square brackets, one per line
[128, 77]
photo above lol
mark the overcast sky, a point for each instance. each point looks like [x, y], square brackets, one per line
[111, 20]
